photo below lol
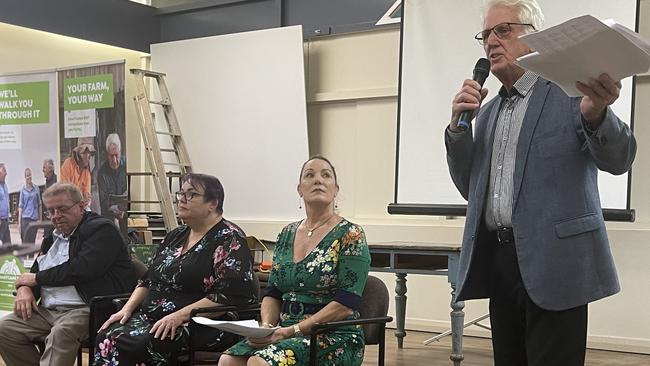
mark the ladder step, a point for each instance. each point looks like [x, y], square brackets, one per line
[167, 133]
[167, 150]
[143, 201]
[147, 72]
[148, 174]
[139, 174]
[140, 212]
[175, 164]
[160, 102]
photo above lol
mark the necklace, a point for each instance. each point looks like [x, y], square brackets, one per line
[311, 231]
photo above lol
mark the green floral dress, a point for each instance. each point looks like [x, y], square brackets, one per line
[219, 267]
[336, 270]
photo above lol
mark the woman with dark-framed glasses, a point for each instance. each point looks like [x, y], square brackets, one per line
[205, 262]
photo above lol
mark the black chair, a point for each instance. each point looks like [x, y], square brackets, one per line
[373, 310]
[101, 307]
[197, 355]
[32, 229]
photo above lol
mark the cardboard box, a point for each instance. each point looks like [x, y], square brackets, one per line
[138, 222]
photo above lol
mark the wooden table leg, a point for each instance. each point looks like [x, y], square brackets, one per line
[400, 307]
[457, 325]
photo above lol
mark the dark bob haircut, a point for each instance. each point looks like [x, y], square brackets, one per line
[212, 187]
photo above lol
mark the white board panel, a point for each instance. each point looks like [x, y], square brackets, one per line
[240, 101]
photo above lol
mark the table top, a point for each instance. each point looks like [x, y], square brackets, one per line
[414, 246]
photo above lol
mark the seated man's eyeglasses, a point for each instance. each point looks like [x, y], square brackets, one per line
[501, 30]
[51, 212]
[186, 196]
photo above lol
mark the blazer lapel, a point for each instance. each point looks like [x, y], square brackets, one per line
[534, 111]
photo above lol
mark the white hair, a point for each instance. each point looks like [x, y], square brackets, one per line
[113, 140]
[529, 11]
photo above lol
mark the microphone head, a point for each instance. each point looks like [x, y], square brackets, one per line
[481, 70]
[482, 64]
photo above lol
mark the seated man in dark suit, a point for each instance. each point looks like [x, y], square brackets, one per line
[84, 257]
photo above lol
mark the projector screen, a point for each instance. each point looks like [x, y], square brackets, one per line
[438, 51]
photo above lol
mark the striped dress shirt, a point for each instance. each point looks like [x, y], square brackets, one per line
[514, 103]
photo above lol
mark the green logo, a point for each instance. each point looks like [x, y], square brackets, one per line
[88, 92]
[24, 103]
[10, 268]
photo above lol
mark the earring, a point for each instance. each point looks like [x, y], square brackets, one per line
[336, 204]
[300, 203]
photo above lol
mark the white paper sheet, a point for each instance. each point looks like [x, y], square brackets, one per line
[246, 328]
[583, 48]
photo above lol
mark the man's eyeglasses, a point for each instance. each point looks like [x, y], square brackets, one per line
[186, 196]
[51, 212]
[501, 30]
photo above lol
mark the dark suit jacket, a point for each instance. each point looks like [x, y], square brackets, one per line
[99, 262]
[560, 235]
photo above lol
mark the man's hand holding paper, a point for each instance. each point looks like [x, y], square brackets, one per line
[598, 94]
[582, 49]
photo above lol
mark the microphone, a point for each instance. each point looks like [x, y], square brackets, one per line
[481, 72]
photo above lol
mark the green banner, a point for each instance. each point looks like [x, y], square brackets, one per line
[10, 268]
[88, 92]
[144, 252]
[23, 103]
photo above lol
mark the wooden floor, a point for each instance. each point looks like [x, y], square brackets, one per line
[477, 351]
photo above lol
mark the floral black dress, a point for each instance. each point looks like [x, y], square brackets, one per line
[336, 270]
[219, 267]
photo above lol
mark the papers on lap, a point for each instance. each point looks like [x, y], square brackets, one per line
[583, 48]
[246, 328]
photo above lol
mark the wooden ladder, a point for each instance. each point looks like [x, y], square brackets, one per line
[180, 163]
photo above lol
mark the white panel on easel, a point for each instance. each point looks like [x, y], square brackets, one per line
[240, 102]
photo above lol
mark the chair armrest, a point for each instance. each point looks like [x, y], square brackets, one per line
[233, 310]
[100, 310]
[318, 328]
[98, 299]
[26, 250]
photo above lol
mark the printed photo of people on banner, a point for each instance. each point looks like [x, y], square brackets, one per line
[28, 154]
[92, 137]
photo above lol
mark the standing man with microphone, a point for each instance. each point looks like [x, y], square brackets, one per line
[535, 242]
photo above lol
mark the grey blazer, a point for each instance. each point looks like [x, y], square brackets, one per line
[560, 235]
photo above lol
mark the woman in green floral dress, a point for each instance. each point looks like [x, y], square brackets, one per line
[204, 263]
[320, 267]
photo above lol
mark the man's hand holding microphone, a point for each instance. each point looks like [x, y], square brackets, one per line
[468, 100]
